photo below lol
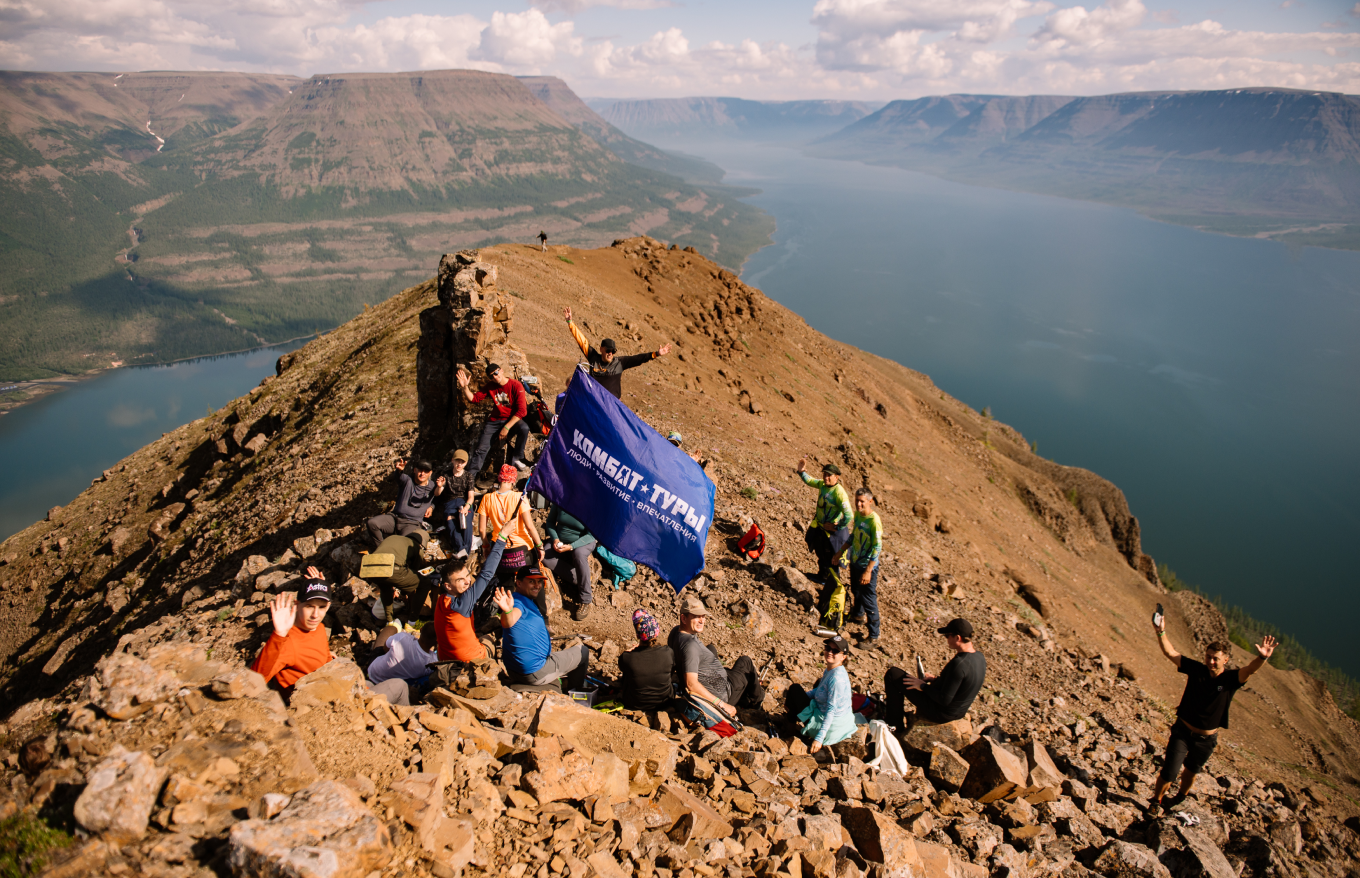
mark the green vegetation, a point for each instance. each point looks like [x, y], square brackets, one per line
[1245, 630]
[749, 493]
[25, 843]
[566, 260]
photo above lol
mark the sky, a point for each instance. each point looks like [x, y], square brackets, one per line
[758, 49]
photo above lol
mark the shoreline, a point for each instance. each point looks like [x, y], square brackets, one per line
[40, 388]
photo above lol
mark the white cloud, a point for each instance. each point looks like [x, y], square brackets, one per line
[1076, 26]
[525, 40]
[571, 7]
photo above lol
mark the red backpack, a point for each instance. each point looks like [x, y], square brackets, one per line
[753, 544]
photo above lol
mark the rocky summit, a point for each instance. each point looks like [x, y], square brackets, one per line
[138, 742]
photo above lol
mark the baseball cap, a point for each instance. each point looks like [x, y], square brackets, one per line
[693, 605]
[831, 469]
[460, 454]
[608, 347]
[674, 438]
[961, 627]
[422, 466]
[314, 589]
[508, 473]
[646, 626]
[836, 644]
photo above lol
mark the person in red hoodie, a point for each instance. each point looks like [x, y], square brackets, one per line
[299, 643]
[506, 421]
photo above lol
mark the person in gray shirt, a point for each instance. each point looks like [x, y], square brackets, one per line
[415, 500]
[701, 671]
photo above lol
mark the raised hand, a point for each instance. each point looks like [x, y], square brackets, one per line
[462, 377]
[283, 612]
[401, 464]
[313, 573]
[1266, 647]
[566, 312]
[504, 600]
[665, 349]
[802, 464]
[439, 481]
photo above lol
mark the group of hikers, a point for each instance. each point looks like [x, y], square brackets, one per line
[492, 590]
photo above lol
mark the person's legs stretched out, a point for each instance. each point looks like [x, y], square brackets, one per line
[743, 689]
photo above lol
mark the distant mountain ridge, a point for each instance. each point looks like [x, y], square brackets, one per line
[150, 217]
[731, 117]
[1241, 160]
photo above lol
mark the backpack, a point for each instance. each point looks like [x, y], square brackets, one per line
[539, 419]
[834, 617]
[753, 544]
[617, 570]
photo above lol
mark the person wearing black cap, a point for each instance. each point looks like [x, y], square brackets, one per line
[943, 698]
[606, 366]
[826, 712]
[829, 531]
[1209, 689]
[415, 500]
[506, 422]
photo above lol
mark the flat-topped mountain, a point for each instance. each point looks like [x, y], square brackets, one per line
[1243, 160]
[732, 117]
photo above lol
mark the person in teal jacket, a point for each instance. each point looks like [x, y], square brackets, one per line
[568, 546]
[830, 528]
[826, 712]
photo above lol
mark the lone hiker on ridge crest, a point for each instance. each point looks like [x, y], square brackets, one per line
[606, 366]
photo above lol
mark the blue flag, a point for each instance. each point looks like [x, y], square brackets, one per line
[641, 497]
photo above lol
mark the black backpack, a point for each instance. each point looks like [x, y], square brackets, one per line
[539, 419]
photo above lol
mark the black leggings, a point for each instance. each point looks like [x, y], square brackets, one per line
[742, 688]
[1186, 747]
[895, 696]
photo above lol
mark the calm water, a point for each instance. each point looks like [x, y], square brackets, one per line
[52, 448]
[1213, 379]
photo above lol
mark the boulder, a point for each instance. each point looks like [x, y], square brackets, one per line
[1042, 771]
[559, 773]
[922, 738]
[880, 840]
[823, 831]
[418, 799]
[325, 832]
[338, 681]
[1287, 835]
[947, 769]
[756, 621]
[119, 795]
[1124, 860]
[238, 683]
[1205, 854]
[994, 772]
[602, 733]
[129, 686]
[690, 816]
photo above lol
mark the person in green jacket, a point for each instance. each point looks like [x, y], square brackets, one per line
[569, 544]
[866, 545]
[830, 529]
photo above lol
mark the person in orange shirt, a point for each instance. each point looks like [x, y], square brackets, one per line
[300, 644]
[506, 506]
[453, 611]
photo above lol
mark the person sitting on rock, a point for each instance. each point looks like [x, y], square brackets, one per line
[606, 366]
[568, 546]
[502, 506]
[645, 670]
[404, 578]
[702, 672]
[940, 698]
[453, 610]
[414, 502]
[1209, 689]
[299, 643]
[866, 544]
[825, 712]
[460, 488]
[405, 656]
[528, 653]
[506, 420]
[829, 531]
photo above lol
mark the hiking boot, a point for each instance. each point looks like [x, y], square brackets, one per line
[1154, 808]
[1174, 802]
[519, 465]
[860, 619]
[580, 613]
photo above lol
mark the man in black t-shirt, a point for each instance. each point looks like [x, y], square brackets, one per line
[1209, 689]
[943, 698]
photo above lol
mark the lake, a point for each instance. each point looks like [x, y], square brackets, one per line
[55, 446]
[1216, 380]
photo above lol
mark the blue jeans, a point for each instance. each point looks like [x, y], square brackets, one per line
[460, 537]
[866, 596]
[490, 441]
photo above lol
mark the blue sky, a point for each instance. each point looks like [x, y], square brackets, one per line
[871, 49]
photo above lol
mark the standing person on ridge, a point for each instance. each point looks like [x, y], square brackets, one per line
[1209, 690]
[543, 240]
[511, 406]
[829, 531]
[866, 544]
[606, 366]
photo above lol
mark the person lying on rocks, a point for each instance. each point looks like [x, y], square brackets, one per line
[938, 698]
[505, 423]
[453, 609]
[1209, 689]
[502, 506]
[829, 531]
[606, 366]
[415, 500]
[460, 489]
[645, 670]
[528, 653]
[702, 672]
[405, 656]
[414, 589]
[568, 546]
[866, 544]
[299, 643]
[825, 712]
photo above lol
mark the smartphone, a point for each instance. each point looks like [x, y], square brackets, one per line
[1157, 617]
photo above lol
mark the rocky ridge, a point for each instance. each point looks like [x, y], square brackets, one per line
[132, 611]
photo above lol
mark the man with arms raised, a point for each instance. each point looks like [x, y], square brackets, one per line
[606, 366]
[702, 672]
[1209, 689]
[414, 502]
[938, 698]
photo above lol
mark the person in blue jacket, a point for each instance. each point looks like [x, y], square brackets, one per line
[826, 712]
